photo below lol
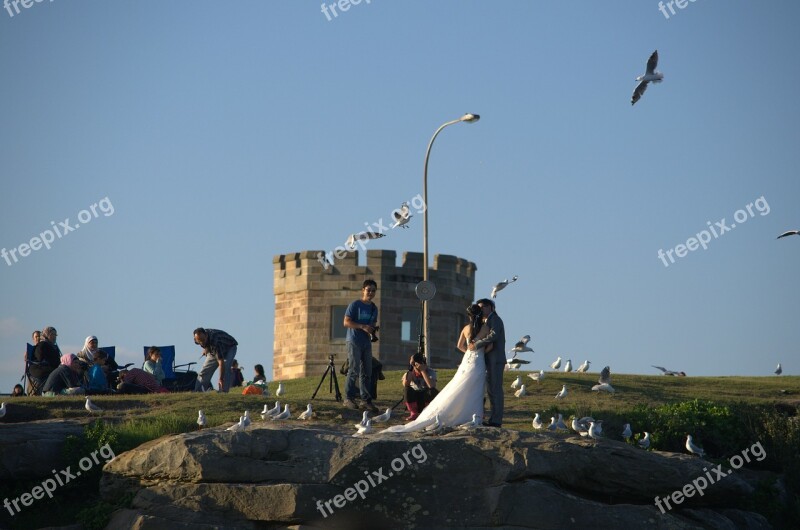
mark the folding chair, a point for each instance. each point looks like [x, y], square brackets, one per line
[174, 380]
[33, 387]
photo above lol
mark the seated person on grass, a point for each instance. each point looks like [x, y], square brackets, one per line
[153, 364]
[66, 379]
[136, 381]
[97, 377]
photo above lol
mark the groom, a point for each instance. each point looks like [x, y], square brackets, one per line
[495, 361]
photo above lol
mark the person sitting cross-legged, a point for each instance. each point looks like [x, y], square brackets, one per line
[66, 378]
[419, 386]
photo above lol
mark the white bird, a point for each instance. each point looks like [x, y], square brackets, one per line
[560, 423]
[401, 216]
[246, 417]
[361, 236]
[598, 425]
[239, 426]
[563, 393]
[778, 370]
[537, 376]
[580, 427]
[605, 375]
[521, 392]
[435, 426]
[271, 412]
[593, 434]
[552, 426]
[382, 417]
[91, 407]
[2, 410]
[279, 392]
[568, 366]
[644, 443]
[476, 422]
[603, 387]
[306, 414]
[584, 367]
[692, 448]
[555, 365]
[201, 419]
[522, 345]
[537, 422]
[364, 419]
[650, 75]
[668, 372]
[517, 382]
[626, 432]
[789, 233]
[502, 285]
[364, 429]
[513, 363]
[283, 415]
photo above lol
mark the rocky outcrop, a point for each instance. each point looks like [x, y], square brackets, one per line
[268, 477]
[34, 449]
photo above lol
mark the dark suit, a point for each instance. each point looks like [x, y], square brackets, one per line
[495, 364]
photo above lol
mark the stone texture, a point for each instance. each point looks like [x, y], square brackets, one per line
[34, 449]
[489, 478]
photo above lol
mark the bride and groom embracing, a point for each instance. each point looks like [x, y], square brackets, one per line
[483, 342]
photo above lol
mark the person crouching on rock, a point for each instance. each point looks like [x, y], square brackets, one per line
[419, 386]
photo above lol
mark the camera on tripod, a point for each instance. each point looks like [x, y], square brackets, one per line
[373, 337]
[331, 356]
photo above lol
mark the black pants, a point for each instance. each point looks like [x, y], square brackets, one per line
[420, 397]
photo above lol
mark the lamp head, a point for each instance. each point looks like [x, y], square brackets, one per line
[470, 118]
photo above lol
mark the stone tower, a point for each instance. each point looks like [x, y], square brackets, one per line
[310, 301]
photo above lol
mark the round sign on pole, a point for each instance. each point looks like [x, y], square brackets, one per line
[425, 291]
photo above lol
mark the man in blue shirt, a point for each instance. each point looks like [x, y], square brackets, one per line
[360, 319]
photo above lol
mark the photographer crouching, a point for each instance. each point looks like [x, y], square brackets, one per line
[419, 386]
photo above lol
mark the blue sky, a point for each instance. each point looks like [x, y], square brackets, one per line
[225, 134]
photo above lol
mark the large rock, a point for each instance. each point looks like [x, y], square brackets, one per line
[33, 450]
[487, 478]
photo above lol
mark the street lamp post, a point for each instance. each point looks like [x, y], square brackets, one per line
[468, 118]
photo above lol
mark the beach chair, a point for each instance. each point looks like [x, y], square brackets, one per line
[33, 387]
[175, 380]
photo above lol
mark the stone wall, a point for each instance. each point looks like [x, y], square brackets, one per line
[305, 293]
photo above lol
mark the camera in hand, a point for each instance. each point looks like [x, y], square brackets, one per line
[373, 337]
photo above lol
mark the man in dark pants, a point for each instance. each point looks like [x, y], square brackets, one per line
[360, 319]
[219, 348]
[495, 361]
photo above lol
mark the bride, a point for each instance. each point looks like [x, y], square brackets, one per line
[463, 395]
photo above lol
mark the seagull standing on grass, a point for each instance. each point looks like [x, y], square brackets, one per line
[283, 415]
[517, 382]
[555, 365]
[279, 392]
[91, 407]
[584, 367]
[306, 414]
[537, 376]
[563, 393]
[778, 370]
[789, 233]
[502, 285]
[271, 412]
[644, 443]
[537, 422]
[201, 419]
[568, 366]
[521, 392]
[650, 75]
[605, 381]
[692, 448]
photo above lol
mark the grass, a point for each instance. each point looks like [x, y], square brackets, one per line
[668, 405]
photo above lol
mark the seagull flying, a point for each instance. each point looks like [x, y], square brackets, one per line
[568, 366]
[401, 216]
[563, 393]
[555, 365]
[521, 346]
[789, 233]
[537, 422]
[517, 382]
[91, 407]
[280, 390]
[351, 241]
[502, 285]
[513, 363]
[521, 392]
[626, 432]
[584, 367]
[537, 376]
[644, 443]
[650, 75]
[692, 448]
[668, 372]
[201, 419]
[306, 414]
[778, 370]
[383, 417]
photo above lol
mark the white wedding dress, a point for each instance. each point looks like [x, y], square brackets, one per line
[459, 399]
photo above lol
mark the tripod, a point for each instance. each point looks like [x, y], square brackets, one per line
[420, 350]
[333, 381]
